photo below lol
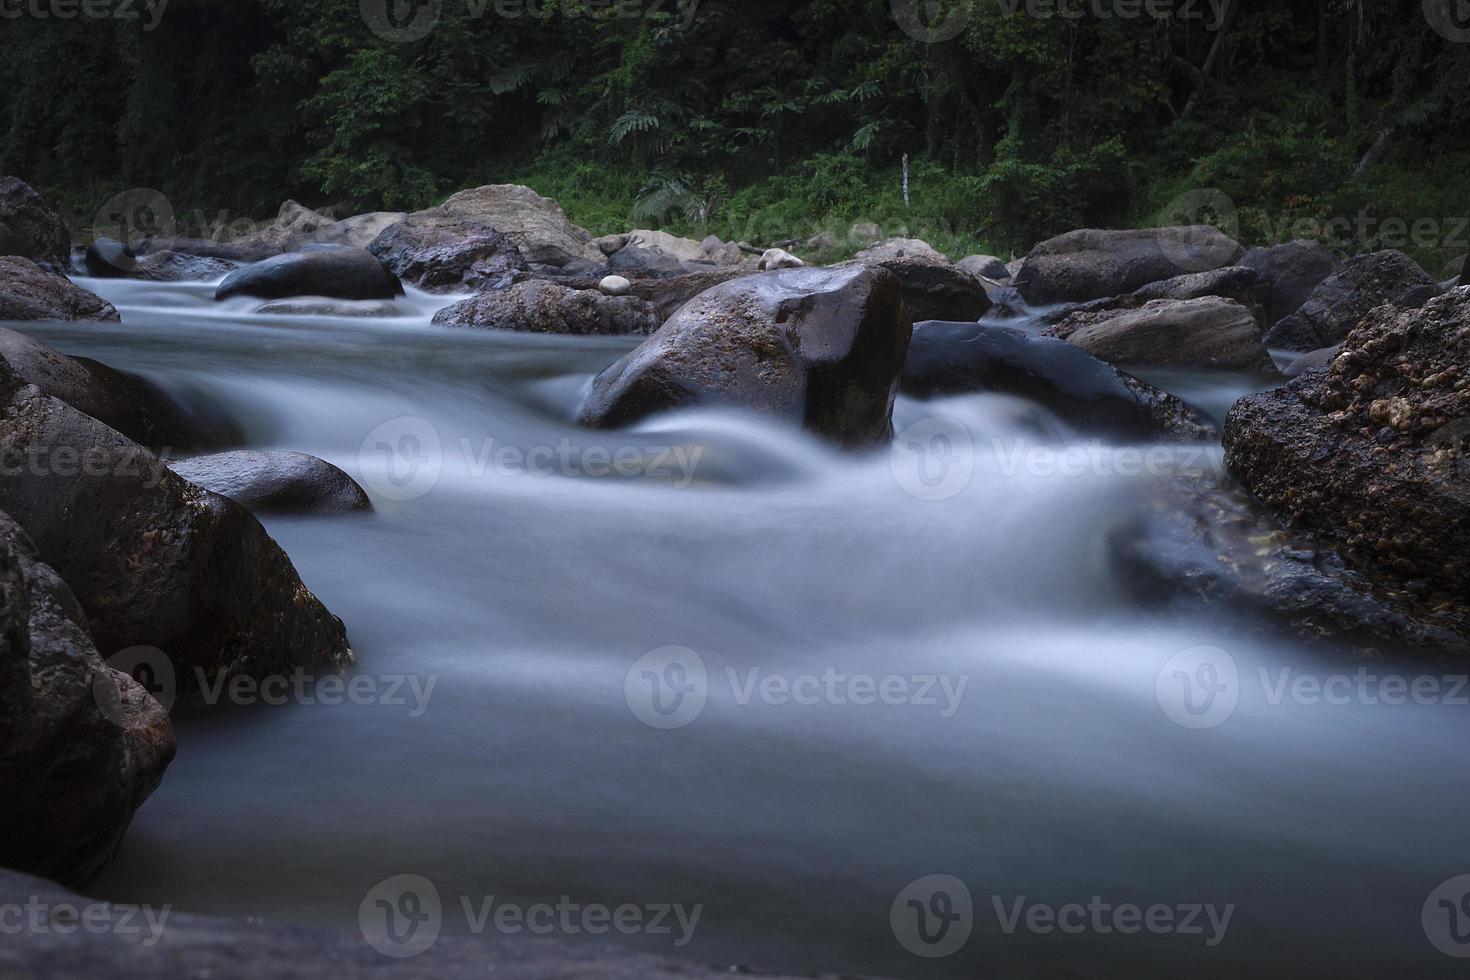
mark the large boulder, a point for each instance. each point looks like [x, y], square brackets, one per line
[237, 251]
[29, 292]
[337, 273]
[1288, 273]
[638, 262]
[1208, 332]
[1088, 394]
[672, 246]
[1374, 453]
[438, 250]
[357, 231]
[987, 266]
[152, 559]
[933, 288]
[81, 745]
[29, 228]
[821, 348]
[1344, 298]
[1091, 264]
[540, 306]
[1235, 282]
[290, 230]
[537, 224]
[123, 401]
[279, 482]
[167, 266]
[667, 293]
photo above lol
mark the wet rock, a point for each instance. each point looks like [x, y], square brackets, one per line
[438, 250]
[1288, 273]
[933, 289]
[30, 229]
[1371, 455]
[1312, 361]
[337, 273]
[29, 292]
[1085, 392]
[1344, 298]
[106, 258]
[1092, 264]
[1235, 282]
[821, 348]
[207, 248]
[152, 559]
[1207, 333]
[542, 306]
[109, 259]
[984, 265]
[275, 482]
[536, 224]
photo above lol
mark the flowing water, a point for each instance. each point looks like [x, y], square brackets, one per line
[1026, 730]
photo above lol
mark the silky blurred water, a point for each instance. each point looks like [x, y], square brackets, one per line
[507, 567]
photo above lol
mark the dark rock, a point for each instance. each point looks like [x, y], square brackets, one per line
[209, 248]
[1344, 298]
[540, 306]
[1288, 274]
[109, 259]
[1086, 393]
[1092, 264]
[638, 262]
[818, 347]
[153, 559]
[437, 250]
[330, 271]
[1395, 509]
[30, 229]
[1312, 361]
[125, 402]
[1235, 282]
[168, 266]
[284, 482]
[1209, 333]
[29, 292]
[984, 265]
[933, 289]
[81, 745]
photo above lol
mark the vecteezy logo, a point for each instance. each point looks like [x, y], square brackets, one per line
[931, 21]
[1445, 458]
[933, 459]
[400, 21]
[1199, 250]
[149, 666]
[933, 916]
[137, 213]
[1446, 917]
[1198, 687]
[401, 916]
[1449, 18]
[401, 459]
[667, 688]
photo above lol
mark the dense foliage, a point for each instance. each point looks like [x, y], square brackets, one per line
[1322, 117]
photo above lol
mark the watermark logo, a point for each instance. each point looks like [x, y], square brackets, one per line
[1198, 687]
[933, 916]
[933, 459]
[1199, 250]
[1446, 917]
[37, 917]
[400, 21]
[402, 458]
[667, 688]
[1449, 18]
[401, 916]
[140, 212]
[931, 21]
[149, 666]
[121, 10]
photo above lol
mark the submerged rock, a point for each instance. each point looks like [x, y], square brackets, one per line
[821, 348]
[336, 273]
[29, 292]
[283, 482]
[439, 250]
[1344, 298]
[81, 745]
[30, 228]
[540, 306]
[1209, 332]
[1092, 264]
[1085, 392]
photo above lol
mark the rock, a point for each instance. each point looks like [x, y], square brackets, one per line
[166, 266]
[288, 232]
[357, 231]
[984, 265]
[610, 244]
[30, 229]
[208, 248]
[778, 258]
[1207, 333]
[541, 306]
[438, 250]
[152, 559]
[29, 292]
[864, 232]
[81, 745]
[638, 262]
[281, 482]
[1092, 264]
[933, 289]
[820, 242]
[1371, 455]
[122, 401]
[614, 285]
[360, 308]
[1235, 282]
[667, 293]
[1341, 300]
[1088, 394]
[821, 348]
[337, 273]
[106, 258]
[1311, 361]
[1288, 273]
[537, 224]
[682, 249]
